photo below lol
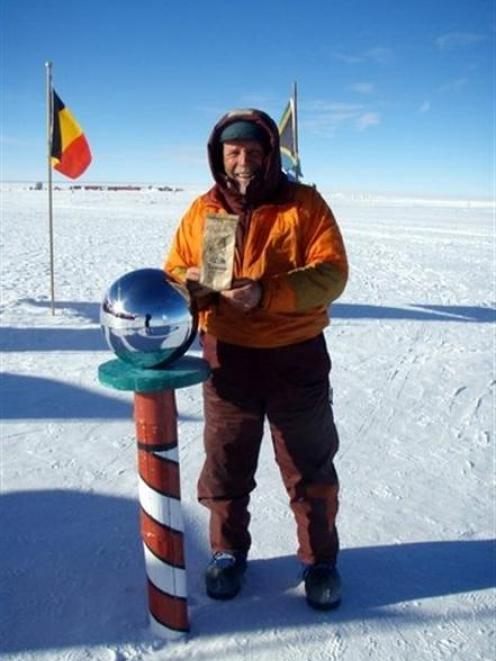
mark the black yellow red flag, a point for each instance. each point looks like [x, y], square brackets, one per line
[70, 152]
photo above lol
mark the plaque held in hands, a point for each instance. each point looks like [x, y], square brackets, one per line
[219, 242]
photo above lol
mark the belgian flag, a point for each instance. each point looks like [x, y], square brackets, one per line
[70, 151]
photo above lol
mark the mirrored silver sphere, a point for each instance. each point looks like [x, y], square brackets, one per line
[147, 318]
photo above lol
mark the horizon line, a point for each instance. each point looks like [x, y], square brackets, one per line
[334, 191]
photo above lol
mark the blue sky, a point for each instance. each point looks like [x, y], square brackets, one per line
[394, 96]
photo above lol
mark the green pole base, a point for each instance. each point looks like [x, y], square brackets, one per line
[186, 371]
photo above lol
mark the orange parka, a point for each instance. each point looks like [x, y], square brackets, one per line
[290, 243]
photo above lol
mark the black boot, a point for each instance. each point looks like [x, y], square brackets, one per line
[322, 586]
[224, 573]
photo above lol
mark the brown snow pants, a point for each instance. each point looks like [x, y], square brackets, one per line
[290, 386]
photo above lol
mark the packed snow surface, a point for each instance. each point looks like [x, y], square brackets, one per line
[412, 342]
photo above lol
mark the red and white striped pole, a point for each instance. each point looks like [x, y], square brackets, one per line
[162, 529]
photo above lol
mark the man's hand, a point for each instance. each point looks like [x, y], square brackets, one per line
[203, 296]
[245, 294]
[193, 283]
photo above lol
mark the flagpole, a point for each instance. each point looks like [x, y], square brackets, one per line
[49, 97]
[295, 128]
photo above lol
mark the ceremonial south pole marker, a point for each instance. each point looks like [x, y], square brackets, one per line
[162, 529]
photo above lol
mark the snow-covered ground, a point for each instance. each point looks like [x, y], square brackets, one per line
[412, 342]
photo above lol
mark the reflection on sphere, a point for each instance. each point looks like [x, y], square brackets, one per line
[147, 318]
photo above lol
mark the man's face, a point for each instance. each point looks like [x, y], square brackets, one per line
[242, 160]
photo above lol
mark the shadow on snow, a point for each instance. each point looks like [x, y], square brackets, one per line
[460, 313]
[33, 398]
[91, 339]
[72, 574]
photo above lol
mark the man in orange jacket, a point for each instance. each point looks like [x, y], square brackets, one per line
[262, 336]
